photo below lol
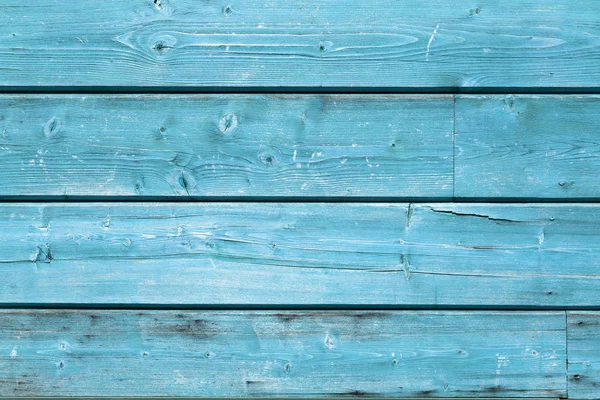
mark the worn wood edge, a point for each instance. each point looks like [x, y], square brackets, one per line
[264, 398]
[260, 398]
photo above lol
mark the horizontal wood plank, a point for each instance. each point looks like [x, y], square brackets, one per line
[226, 145]
[438, 254]
[307, 43]
[527, 147]
[583, 338]
[282, 353]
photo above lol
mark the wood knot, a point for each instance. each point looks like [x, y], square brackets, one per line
[227, 11]
[182, 182]
[328, 342]
[566, 184]
[267, 159]
[52, 127]
[511, 105]
[163, 44]
[474, 11]
[325, 46]
[139, 185]
[228, 123]
[44, 255]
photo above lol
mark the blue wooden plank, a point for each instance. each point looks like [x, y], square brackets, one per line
[305, 43]
[583, 337]
[439, 254]
[259, 146]
[527, 147]
[282, 353]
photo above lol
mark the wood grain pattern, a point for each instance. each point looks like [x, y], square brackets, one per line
[583, 339]
[226, 145]
[283, 353]
[300, 254]
[527, 147]
[305, 43]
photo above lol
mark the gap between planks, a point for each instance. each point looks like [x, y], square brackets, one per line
[277, 199]
[290, 307]
[291, 90]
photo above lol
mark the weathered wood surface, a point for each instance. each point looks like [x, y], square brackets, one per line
[282, 353]
[306, 43]
[310, 254]
[583, 341]
[227, 145]
[527, 147]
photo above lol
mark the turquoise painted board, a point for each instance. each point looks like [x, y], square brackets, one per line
[282, 353]
[583, 335]
[227, 145]
[306, 199]
[306, 43]
[437, 255]
[527, 147]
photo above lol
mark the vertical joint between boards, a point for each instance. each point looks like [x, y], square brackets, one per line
[567, 352]
[453, 146]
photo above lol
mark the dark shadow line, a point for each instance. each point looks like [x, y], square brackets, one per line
[291, 199]
[292, 90]
[291, 307]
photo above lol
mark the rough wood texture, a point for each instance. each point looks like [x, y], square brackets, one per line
[583, 340]
[227, 145]
[527, 146]
[282, 353]
[305, 43]
[286, 254]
